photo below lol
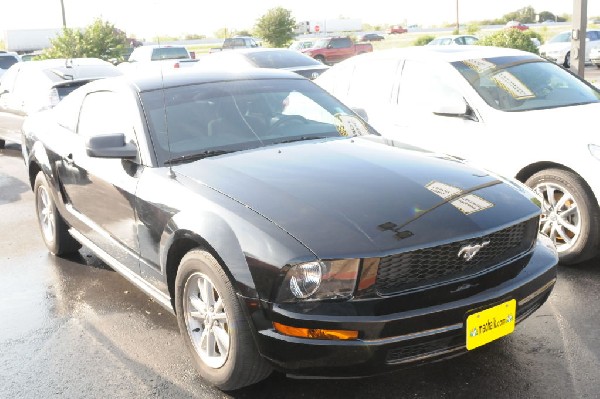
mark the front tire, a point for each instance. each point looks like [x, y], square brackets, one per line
[567, 63]
[55, 231]
[321, 59]
[570, 214]
[2, 144]
[213, 325]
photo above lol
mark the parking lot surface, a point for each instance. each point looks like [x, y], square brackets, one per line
[72, 327]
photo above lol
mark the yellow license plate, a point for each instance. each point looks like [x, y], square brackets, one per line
[490, 324]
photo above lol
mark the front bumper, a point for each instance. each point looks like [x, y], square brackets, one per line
[397, 340]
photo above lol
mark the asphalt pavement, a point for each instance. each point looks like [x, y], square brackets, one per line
[74, 328]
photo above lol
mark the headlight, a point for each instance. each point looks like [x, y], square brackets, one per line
[313, 281]
[594, 150]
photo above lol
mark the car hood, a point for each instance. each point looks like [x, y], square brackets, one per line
[364, 196]
[559, 46]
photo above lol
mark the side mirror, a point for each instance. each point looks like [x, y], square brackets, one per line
[330, 45]
[362, 113]
[450, 104]
[110, 146]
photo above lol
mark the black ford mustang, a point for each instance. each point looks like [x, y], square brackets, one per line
[280, 228]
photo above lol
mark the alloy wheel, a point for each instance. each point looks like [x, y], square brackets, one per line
[206, 320]
[561, 218]
[46, 215]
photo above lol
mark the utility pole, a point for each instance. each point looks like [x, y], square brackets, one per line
[457, 24]
[64, 18]
[578, 35]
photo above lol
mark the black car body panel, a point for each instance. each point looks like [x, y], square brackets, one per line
[262, 210]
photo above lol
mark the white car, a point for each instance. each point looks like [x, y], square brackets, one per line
[507, 110]
[595, 56]
[8, 59]
[453, 40]
[558, 49]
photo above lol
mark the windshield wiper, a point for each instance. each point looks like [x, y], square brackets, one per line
[302, 138]
[197, 156]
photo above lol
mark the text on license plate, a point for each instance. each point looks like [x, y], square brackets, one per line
[490, 324]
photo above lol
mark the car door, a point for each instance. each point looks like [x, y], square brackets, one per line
[372, 84]
[100, 192]
[593, 42]
[11, 106]
[424, 86]
[342, 48]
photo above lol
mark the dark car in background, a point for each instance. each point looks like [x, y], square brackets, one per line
[282, 229]
[28, 87]
[287, 59]
[371, 37]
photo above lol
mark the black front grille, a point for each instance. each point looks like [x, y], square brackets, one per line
[438, 264]
[406, 354]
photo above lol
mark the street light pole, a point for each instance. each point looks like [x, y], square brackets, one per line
[457, 24]
[64, 18]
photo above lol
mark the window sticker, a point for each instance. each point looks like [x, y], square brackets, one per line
[511, 84]
[467, 204]
[350, 126]
[471, 203]
[479, 65]
[442, 189]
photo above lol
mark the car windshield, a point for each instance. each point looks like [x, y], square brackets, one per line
[280, 59]
[321, 43]
[212, 118]
[561, 38]
[525, 83]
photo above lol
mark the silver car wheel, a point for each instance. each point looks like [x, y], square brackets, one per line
[46, 215]
[206, 320]
[561, 219]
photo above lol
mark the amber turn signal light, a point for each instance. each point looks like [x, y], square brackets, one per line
[315, 333]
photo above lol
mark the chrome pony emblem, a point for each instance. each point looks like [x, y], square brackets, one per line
[468, 252]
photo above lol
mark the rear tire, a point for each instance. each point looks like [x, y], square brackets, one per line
[3, 143]
[55, 231]
[570, 214]
[214, 326]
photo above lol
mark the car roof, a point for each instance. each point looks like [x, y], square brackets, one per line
[454, 36]
[247, 50]
[59, 70]
[446, 53]
[155, 80]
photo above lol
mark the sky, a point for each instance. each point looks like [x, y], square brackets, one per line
[149, 18]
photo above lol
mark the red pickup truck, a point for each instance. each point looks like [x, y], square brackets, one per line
[335, 49]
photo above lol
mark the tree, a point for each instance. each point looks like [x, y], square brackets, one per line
[423, 40]
[100, 40]
[223, 33]
[525, 15]
[511, 38]
[276, 27]
[547, 16]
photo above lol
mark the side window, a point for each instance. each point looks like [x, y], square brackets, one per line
[373, 81]
[67, 111]
[8, 79]
[420, 83]
[592, 35]
[337, 83]
[470, 40]
[105, 112]
[341, 43]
